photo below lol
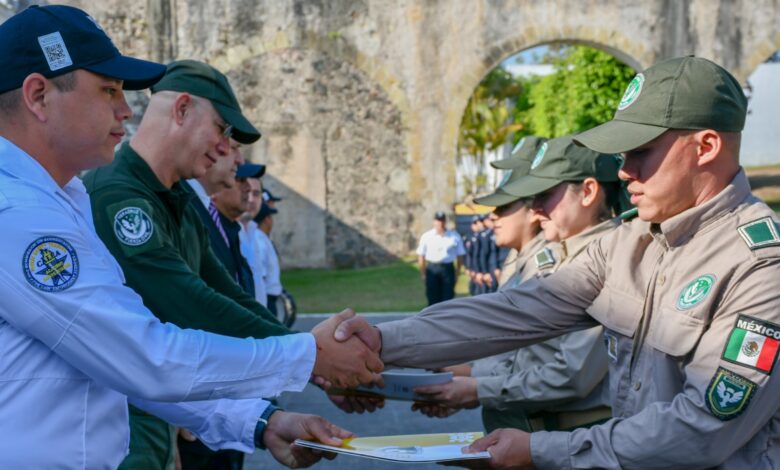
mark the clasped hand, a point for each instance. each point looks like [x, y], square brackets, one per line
[348, 360]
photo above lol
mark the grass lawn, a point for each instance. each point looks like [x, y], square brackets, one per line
[394, 287]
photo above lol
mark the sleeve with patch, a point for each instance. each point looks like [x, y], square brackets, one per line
[134, 226]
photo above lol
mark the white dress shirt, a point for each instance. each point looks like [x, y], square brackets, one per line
[444, 248]
[254, 250]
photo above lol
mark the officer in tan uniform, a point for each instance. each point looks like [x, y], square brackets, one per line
[687, 296]
[517, 165]
[556, 384]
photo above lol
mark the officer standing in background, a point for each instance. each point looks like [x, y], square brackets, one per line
[252, 248]
[273, 272]
[518, 164]
[223, 232]
[468, 247]
[684, 293]
[557, 384]
[230, 201]
[77, 342]
[437, 254]
[488, 257]
[475, 277]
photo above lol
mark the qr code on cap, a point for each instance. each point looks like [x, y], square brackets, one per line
[55, 51]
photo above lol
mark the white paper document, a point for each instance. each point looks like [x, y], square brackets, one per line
[400, 383]
[414, 448]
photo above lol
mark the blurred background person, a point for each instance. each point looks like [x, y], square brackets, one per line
[437, 253]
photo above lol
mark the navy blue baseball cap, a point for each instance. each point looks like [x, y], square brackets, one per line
[269, 196]
[265, 211]
[56, 39]
[250, 170]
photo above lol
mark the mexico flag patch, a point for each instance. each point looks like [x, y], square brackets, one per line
[753, 343]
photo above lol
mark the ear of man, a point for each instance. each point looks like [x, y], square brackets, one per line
[35, 93]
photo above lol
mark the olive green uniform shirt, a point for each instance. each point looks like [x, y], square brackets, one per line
[163, 249]
[687, 303]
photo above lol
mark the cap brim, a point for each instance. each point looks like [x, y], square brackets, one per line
[243, 130]
[506, 163]
[618, 136]
[250, 170]
[497, 199]
[136, 74]
[530, 186]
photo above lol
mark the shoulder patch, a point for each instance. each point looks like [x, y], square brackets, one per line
[759, 233]
[133, 226]
[753, 343]
[50, 264]
[544, 258]
[728, 394]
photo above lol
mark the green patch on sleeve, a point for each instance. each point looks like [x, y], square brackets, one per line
[759, 233]
[728, 394]
[134, 227]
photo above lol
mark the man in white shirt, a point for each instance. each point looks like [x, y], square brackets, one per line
[252, 246]
[437, 253]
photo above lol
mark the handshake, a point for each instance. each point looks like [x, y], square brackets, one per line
[347, 351]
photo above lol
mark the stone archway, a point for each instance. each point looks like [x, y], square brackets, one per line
[424, 58]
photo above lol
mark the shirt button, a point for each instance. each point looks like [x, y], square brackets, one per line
[637, 385]
[661, 279]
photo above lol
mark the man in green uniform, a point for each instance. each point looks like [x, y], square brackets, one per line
[145, 217]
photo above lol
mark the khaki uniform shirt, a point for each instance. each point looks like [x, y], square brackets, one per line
[690, 305]
[560, 374]
[523, 266]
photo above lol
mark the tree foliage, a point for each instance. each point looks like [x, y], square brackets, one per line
[489, 121]
[582, 93]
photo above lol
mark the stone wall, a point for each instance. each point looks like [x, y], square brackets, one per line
[360, 100]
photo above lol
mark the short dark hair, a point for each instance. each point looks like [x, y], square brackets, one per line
[9, 101]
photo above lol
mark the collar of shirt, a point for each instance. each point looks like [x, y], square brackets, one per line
[175, 198]
[200, 192]
[679, 229]
[18, 164]
[572, 246]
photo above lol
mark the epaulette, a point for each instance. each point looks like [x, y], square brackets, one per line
[544, 258]
[759, 233]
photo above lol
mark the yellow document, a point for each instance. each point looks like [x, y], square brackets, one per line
[407, 448]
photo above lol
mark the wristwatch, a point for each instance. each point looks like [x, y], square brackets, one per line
[262, 423]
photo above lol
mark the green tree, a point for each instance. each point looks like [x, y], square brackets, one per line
[583, 92]
[488, 123]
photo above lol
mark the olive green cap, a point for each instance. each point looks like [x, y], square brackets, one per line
[682, 93]
[522, 153]
[518, 166]
[203, 80]
[561, 160]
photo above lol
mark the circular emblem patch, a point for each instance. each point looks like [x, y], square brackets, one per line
[695, 292]
[50, 264]
[133, 226]
[539, 156]
[632, 92]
